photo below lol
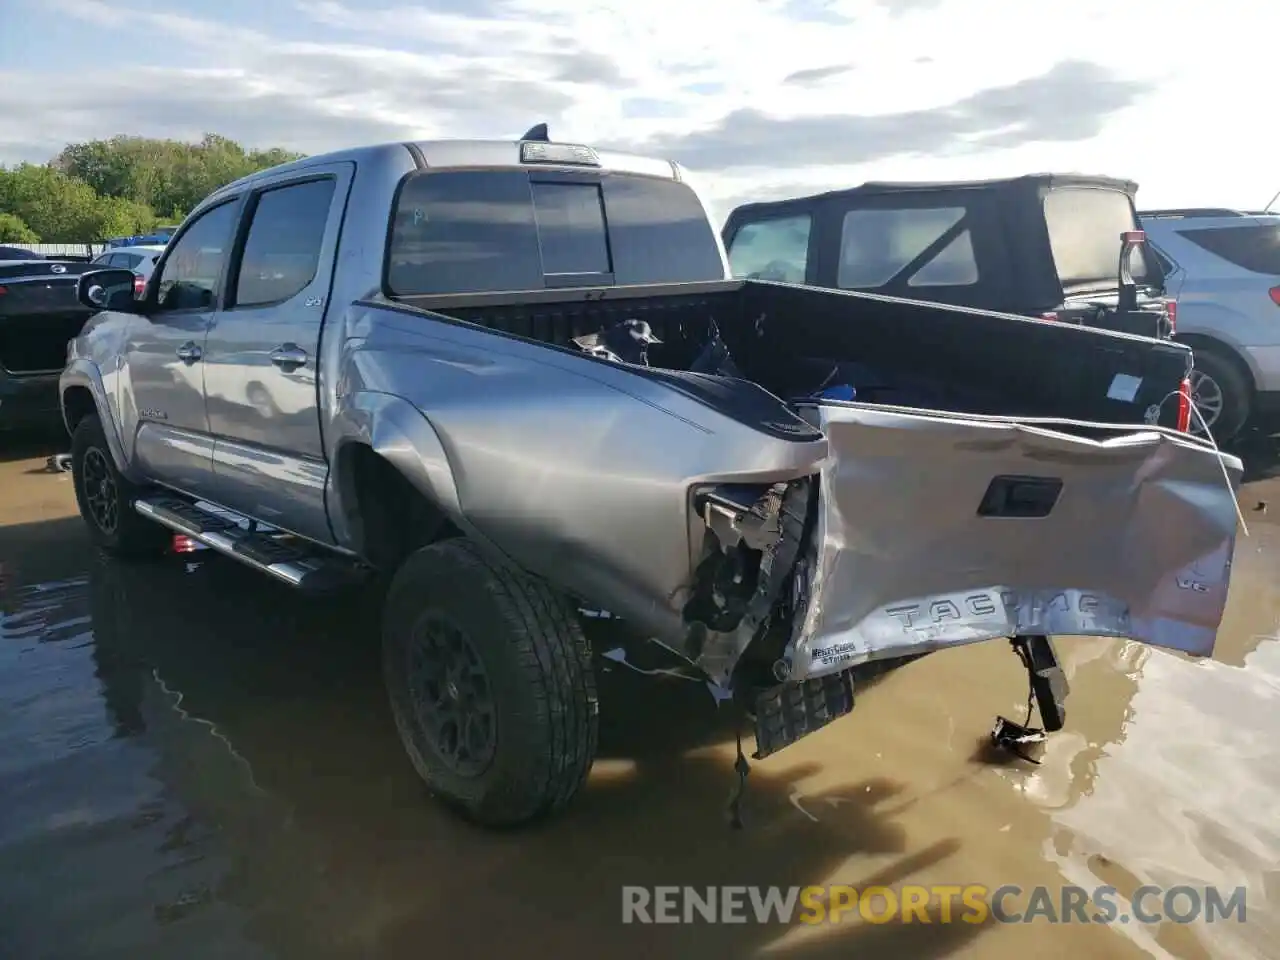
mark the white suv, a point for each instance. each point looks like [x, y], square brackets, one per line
[1223, 269]
[140, 259]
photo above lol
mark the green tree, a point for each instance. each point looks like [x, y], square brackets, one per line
[63, 209]
[168, 176]
[13, 230]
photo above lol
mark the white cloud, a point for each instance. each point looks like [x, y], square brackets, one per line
[807, 93]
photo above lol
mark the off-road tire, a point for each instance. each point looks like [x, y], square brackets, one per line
[131, 536]
[540, 678]
[1236, 395]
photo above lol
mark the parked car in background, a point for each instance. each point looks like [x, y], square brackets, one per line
[1043, 245]
[1223, 269]
[18, 253]
[39, 313]
[141, 260]
[159, 236]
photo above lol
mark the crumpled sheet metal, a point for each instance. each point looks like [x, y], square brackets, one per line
[1139, 543]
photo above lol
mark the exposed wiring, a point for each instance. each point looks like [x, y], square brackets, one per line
[619, 656]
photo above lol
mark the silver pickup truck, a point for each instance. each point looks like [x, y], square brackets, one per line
[514, 382]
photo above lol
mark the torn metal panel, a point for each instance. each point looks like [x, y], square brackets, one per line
[1130, 536]
[757, 539]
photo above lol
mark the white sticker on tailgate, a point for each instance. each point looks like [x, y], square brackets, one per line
[1124, 387]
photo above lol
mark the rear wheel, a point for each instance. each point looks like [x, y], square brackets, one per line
[105, 497]
[491, 684]
[1221, 395]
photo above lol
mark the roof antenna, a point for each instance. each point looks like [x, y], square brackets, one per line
[1267, 208]
[538, 132]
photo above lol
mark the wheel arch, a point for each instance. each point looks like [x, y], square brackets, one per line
[80, 393]
[391, 487]
[1224, 351]
[386, 514]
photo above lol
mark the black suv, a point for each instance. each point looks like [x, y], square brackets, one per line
[1053, 246]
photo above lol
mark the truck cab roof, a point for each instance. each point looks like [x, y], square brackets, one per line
[476, 153]
[437, 217]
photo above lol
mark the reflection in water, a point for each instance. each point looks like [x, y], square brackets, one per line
[1189, 794]
[278, 798]
[197, 763]
[1187, 790]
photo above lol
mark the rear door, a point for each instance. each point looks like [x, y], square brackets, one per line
[1233, 291]
[261, 355]
[943, 246]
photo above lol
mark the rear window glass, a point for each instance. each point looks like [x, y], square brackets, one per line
[1084, 234]
[571, 231]
[472, 231]
[1255, 248]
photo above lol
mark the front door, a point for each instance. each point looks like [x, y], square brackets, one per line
[162, 395]
[262, 352]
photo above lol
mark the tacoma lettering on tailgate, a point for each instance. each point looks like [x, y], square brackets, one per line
[975, 616]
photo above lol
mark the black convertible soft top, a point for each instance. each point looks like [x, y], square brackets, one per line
[1041, 246]
[1033, 182]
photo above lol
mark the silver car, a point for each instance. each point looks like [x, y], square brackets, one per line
[1223, 271]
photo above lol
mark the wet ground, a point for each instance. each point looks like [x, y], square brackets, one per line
[195, 763]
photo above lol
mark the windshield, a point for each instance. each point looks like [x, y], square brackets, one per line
[1085, 224]
[472, 231]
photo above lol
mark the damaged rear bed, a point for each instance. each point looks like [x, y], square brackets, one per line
[880, 478]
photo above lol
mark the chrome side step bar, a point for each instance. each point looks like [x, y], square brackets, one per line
[286, 558]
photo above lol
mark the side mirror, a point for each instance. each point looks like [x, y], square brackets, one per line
[110, 289]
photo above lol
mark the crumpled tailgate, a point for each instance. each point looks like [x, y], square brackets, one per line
[935, 530]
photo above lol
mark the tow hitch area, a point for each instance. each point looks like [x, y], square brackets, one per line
[1048, 688]
[788, 712]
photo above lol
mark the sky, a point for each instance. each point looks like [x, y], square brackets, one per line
[760, 98]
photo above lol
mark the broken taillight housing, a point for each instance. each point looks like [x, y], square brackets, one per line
[1184, 405]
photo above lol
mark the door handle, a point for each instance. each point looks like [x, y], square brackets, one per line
[288, 357]
[189, 353]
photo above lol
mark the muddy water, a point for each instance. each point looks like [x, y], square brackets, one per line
[195, 763]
